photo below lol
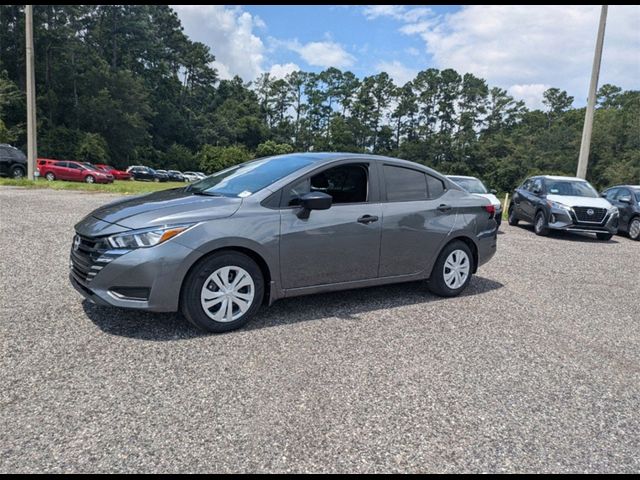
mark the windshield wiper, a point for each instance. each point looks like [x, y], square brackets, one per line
[204, 192]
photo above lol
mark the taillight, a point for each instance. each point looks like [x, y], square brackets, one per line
[491, 209]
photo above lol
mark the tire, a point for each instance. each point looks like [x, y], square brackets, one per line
[634, 229]
[540, 224]
[89, 179]
[604, 236]
[156, 179]
[499, 220]
[512, 218]
[50, 176]
[17, 172]
[206, 279]
[442, 282]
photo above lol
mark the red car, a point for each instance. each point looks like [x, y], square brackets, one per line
[117, 174]
[73, 171]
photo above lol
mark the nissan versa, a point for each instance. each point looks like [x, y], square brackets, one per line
[563, 203]
[279, 227]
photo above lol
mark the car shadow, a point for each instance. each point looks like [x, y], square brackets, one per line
[347, 305]
[570, 236]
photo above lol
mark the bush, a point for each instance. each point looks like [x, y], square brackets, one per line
[213, 159]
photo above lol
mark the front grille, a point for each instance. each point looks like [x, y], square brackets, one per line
[590, 214]
[89, 258]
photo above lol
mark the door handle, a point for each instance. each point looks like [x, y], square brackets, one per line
[444, 207]
[366, 219]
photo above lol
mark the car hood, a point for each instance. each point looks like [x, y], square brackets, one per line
[580, 201]
[167, 207]
[491, 197]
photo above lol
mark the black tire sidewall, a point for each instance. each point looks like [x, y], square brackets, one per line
[192, 286]
[16, 169]
[512, 219]
[436, 281]
[636, 219]
[544, 230]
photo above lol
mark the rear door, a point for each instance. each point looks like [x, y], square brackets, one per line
[75, 172]
[60, 170]
[341, 244]
[625, 208]
[417, 215]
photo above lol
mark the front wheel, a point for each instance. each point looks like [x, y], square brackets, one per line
[540, 225]
[222, 292]
[452, 271]
[634, 229]
[512, 219]
[604, 236]
[89, 179]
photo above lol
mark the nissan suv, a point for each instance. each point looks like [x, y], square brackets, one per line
[13, 163]
[563, 203]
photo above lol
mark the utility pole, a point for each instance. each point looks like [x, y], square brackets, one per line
[32, 143]
[583, 160]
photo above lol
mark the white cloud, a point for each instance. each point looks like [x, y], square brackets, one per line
[322, 54]
[399, 12]
[282, 70]
[400, 73]
[523, 47]
[229, 32]
[531, 94]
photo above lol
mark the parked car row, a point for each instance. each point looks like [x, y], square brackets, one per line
[140, 172]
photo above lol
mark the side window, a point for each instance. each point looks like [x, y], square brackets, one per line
[60, 164]
[612, 194]
[537, 185]
[345, 183]
[527, 184]
[404, 184]
[75, 166]
[435, 186]
[622, 192]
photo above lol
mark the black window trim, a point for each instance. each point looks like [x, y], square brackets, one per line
[346, 161]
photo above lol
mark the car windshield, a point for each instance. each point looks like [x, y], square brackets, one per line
[247, 178]
[638, 196]
[571, 188]
[471, 185]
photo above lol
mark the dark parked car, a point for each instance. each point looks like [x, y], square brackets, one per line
[563, 203]
[147, 173]
[176, 176]
[279, 227]
[13, 163]
[627, 199]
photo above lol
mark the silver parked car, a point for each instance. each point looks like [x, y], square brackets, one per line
[279, 227]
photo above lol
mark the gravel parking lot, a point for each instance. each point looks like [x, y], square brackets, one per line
[536, 368]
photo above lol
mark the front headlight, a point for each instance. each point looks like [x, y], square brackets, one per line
[558, 206]
[148, 237]
[614, 211]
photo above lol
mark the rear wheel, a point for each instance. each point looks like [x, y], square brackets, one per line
[222, 292]
[540, 224]
[452, 271]
[50, 176]
[634, 229]
[512, 219]
[604, 236]
[89, 179]
[17, 172]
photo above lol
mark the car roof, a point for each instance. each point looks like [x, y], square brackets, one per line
[462, 176]
[632, 187]
[558, 177]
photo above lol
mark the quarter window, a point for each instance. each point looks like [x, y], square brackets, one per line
[434, 186]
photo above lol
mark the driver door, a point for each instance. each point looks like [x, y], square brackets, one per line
[341, 244]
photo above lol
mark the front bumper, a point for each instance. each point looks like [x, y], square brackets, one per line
[157, 272]
[566, 220]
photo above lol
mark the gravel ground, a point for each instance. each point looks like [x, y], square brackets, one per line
[536, 368]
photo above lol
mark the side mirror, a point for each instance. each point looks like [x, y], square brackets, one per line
[603, 195]
[536, 191]
[314, 201]
[625, 199]
[493, 190]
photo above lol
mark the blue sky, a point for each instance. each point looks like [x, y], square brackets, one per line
[523, 49]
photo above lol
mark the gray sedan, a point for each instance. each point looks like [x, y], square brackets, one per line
[279, 227]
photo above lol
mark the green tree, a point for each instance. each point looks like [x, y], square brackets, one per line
[92, 148]
[212, 159]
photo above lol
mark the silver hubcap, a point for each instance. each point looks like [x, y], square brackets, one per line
[89, 179]
[227, 294]
[456, 269]
[49, 176]
[634, 231]
[539, 223]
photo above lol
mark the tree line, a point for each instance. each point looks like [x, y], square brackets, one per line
[123, 84]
